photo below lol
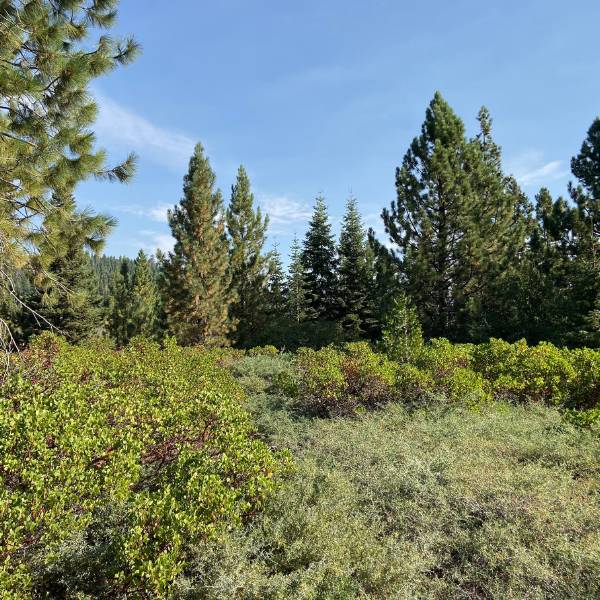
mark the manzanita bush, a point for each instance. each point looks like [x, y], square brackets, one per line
[343, 380]
[160, 432]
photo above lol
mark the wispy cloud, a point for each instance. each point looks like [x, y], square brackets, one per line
[163, 241]
[156, 213]
[530, 168]
[153, 241]
[120, 125]
[282, 210]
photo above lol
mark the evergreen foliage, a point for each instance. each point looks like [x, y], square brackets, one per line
[197, 294]
[66, 296]
[355, 275]
[456, 221]
[47, 61]
[297, 301]
[119, 326]
[402, 337]
[143, 300]
[320, 265]
[277, 290]
[248, 265]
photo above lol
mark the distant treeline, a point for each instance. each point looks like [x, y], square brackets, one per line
[467, 248]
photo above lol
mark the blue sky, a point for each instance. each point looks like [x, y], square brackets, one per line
[324, 96]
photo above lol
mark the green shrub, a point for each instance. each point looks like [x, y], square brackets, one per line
[440, 357]
[267, 350]
[585, 389]
[334, 382]
[414, 384]
[161, 433]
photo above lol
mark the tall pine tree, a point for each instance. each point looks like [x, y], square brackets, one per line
[49, 57]
[197, 292]
[249, 267]
[586, 269]
[456, 220]
[320, 264]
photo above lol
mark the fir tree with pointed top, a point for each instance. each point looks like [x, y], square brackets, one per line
[143, 299]
[248, 266]
[276, 286]
[298, 306]
[119, 325]
[355, 276]
[320, 264]
[197, 292]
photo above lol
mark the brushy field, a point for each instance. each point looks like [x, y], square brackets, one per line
[459, 472]
[436, 500]
[152, 443]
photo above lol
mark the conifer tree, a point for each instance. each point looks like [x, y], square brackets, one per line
[67, 292]
[386, 284]
[46, 146]
[248, 266]
[320, 264]
[586, 265]
[457, 219]
[119, 325]
[143, 299]
[297, 300]
[162, 321]
[276, 286]
[197, 293]
[402, 337]
[355, 275]
[586, 168]
[500, 223]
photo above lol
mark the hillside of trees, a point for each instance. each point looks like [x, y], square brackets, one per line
[410, 417]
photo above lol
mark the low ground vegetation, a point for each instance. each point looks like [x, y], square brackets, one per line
[438, 499]
[461, 471]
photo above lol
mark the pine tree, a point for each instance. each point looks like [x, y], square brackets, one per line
[586, 168]
[276, 286]
[586, 264]
[119, 325]
[143, 299]
[457, 219]
[162, 320]
[386, 284]
[67, 292]
[500, 218]
[355, 275]
[320, 264]
[197, 294]
[249, 267]
[46, 145]
[297, 300]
